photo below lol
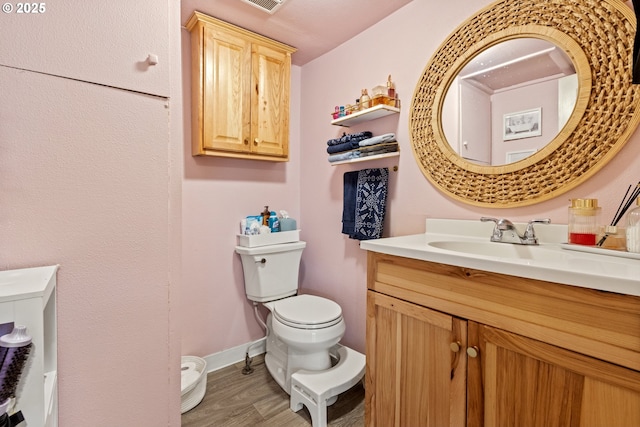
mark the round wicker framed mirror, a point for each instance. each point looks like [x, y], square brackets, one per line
[598, 37]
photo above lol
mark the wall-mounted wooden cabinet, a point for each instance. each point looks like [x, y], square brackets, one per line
[453, 346]
[240, 92]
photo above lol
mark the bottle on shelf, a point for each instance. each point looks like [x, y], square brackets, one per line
[391, 89]
[365, 101]
[633, 229]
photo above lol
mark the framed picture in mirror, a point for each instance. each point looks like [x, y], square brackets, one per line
[522, 124]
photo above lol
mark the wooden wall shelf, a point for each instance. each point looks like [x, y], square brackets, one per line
[372, 113]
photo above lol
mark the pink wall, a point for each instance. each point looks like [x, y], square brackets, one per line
[89, 180]
[401, 45]
[87, 188]
[101, 181]
[217, 193]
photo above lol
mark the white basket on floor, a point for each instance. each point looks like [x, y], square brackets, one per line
[193, 382]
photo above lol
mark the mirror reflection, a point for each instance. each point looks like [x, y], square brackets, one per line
[509, 101]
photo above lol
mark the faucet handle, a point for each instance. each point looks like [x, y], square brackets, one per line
[496, 235]
[530, 233]
[501, 224]
[496, 220]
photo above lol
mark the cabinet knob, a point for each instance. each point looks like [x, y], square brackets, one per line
[256, 141]
[455, 346]
[152, 59]
[473, 351]
[246, 141]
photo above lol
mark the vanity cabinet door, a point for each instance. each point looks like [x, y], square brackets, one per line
[518, 381]
[415, 365]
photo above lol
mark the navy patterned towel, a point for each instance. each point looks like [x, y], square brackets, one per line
[365, 200]
[352, 137]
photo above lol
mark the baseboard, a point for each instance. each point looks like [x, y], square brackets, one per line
[233, 355]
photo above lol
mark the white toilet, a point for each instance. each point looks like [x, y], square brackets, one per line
[302, 330]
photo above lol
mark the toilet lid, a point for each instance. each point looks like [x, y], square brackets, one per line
[307, 312]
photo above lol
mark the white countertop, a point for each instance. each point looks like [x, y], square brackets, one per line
[559, 265]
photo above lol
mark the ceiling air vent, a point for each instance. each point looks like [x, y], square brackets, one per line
[269, 6]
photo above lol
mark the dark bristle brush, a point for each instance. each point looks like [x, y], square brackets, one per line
[14, 352]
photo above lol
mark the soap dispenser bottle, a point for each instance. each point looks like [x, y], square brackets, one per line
[265, 216]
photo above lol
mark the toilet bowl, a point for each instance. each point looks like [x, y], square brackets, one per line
[303, 331]
[307, 320]
[304, 328]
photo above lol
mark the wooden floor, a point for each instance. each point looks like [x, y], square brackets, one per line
[234, 399]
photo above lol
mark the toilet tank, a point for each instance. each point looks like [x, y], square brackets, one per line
[271, 272]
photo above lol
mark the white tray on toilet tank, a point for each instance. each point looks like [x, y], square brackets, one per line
[268, 239]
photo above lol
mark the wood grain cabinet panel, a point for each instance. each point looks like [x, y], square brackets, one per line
[240, 92]
[529, 383]
[413, 376]
[530, 353]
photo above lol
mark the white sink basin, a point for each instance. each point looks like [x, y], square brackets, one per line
[500, 250]
[466, 244]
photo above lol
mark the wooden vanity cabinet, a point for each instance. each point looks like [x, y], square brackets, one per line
[240, 92]
[410, 363]
[453, 346]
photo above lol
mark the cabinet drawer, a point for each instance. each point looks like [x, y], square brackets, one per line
[600, 324]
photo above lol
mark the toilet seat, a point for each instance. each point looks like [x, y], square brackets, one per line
[307, 312]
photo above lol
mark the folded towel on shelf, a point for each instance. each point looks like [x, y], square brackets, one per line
[348, 155]
[365, 198]
[381, 149]
[345, 146]
[357, 137]
[370, 150]
[380, 139]
[353, 141]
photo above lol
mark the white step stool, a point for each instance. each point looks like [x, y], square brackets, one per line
[314, 388]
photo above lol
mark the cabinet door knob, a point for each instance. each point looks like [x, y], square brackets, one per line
[473, 351]
[256, 141]
[455, 346]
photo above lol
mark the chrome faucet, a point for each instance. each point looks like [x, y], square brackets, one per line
[506, 232]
